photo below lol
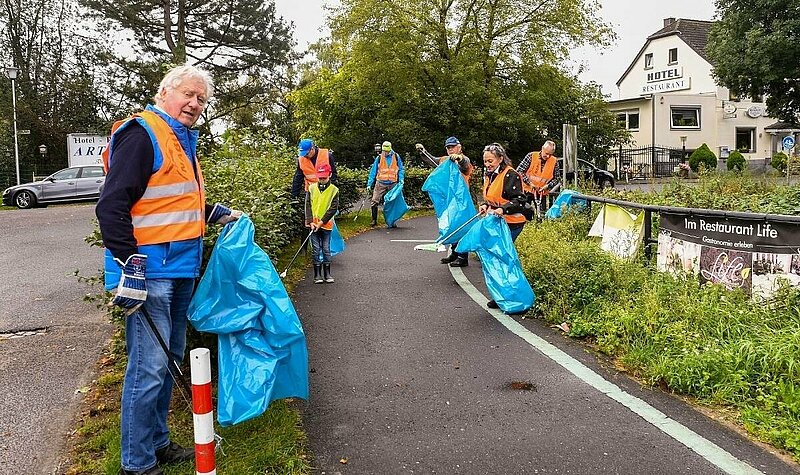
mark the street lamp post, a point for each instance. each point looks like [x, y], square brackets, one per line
[11, 73]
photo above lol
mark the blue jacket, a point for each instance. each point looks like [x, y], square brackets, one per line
[373, 172]
[133, 156]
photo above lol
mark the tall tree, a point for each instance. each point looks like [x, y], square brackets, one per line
[243, 43]
[57, 83]
[755, 49]
[418, 70]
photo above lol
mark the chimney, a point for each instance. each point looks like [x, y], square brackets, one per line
[668, 21]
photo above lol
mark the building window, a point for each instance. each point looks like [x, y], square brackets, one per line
[746, 140]
[628, 120]
[685, 117]
[648, 61]
[673, 56]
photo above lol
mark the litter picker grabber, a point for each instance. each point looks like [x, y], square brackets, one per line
[302, 246]
[172, 365]
[426, 154]
[437, 245]
[360, 208]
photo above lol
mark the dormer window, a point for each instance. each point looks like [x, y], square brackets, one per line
[673, 56]
[648, 61]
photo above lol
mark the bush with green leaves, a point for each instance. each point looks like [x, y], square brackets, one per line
[779, 161]
[736, 161]
[697, 339]
[703, 157]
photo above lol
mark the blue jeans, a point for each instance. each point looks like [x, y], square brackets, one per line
[148, 386]
[321, 246]
[515, 229]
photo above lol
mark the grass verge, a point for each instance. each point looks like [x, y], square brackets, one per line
[273, 443]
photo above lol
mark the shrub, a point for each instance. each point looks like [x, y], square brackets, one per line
[736, 161]
[779, 161]
[704, 157]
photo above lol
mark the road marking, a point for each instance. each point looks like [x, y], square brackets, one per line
[412, 240]
[703, 447]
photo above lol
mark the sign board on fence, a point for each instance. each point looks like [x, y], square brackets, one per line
[748, 254]
[24, 132]
[86, 149]
[788, 142]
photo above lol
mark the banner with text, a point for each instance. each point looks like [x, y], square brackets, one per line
[748, 254]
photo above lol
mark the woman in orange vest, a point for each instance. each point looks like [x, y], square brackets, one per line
[386, 172]
[502, 189]
[502, 192]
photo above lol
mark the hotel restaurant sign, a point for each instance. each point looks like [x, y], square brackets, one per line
[666, 80]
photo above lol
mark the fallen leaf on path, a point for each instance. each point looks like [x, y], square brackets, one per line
[343, 460]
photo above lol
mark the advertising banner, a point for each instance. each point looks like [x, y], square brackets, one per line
[748, 254]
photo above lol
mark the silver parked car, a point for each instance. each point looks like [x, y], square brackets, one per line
[69, 184]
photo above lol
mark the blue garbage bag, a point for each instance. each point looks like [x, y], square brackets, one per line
[394, 205]
[337, 241]
[502, 271]
[451, 201]
[262, 347]
[564, 200]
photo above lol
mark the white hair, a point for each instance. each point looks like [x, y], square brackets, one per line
[178, 74]
[549, 144]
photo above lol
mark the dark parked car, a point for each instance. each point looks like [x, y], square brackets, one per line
[587, 171]
[69, 184]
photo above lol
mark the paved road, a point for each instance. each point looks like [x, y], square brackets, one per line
[410, 375]
[39, 251]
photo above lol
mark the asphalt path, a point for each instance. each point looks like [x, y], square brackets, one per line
[409, 374]
[40, 249]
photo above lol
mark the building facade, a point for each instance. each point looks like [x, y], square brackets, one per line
[668, 98]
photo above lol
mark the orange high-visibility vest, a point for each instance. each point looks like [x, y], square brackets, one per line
[309, 168]
[173, 205]
[538, 175]
[465, 175]
[493, 195]
[386, 172]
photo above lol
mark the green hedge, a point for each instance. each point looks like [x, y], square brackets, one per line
[703, 156]
[736, 161]
[779, 161]
[700, 340]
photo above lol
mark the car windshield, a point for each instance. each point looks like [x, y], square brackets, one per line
[66, 174]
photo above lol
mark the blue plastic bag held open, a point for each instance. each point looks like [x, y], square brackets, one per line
[262, 347]
[451, 200]
[502, 271]
[394, 205]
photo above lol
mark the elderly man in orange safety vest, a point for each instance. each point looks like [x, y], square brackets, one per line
[152, 215]
[386, 172]
[540, 173]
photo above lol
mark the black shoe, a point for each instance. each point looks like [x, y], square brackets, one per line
[150, 471]
[326, 271]
[373, 223]
[459, 262]
[447, 260]
[173, 453]
[317, 274]
[492, 304]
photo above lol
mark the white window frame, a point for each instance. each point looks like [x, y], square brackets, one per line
[670, 62]
[648, 65]
[752, 131]
[627, 113]
[699, 125]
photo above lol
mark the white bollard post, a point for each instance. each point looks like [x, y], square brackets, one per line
[202, 412]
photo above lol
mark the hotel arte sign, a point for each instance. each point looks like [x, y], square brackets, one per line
[666, 80]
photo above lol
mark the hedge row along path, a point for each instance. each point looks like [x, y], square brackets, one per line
[411, 373]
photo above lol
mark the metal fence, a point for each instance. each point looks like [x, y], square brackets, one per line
[653, 161]
[28, 172]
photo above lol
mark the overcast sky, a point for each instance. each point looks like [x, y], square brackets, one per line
[632, 20]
